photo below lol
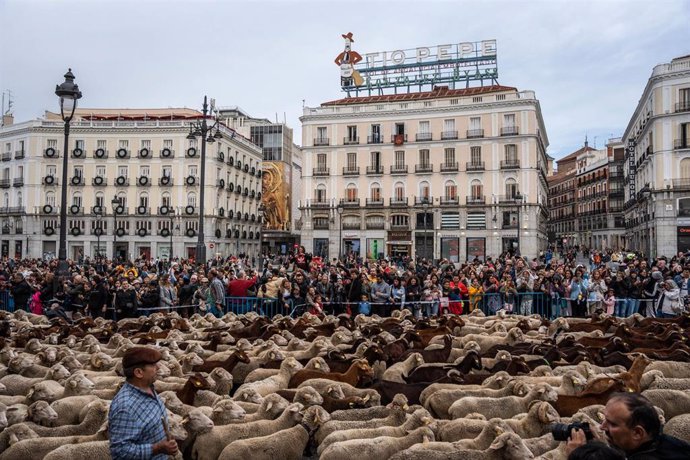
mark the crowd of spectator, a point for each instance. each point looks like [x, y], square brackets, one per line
[576, 282]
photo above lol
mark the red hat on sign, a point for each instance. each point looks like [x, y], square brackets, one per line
[348, 36]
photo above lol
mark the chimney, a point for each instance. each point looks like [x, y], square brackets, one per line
[7, 120]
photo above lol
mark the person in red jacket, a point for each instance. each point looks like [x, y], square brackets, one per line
[238, 287]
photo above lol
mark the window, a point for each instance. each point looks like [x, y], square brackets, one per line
[400, 220]
[122, 171]
[351, 161]
[8, 146]
[320, 195]
[449, 156]
[477, 189]
[193, 170]
[424, 190]
[376, 160]
[375, 192]
[399, 128]
[509, 120]
[475, 155]
[425, 220]
[144, 200]
[451, 190]
[191, 199]
[51, 170]
[424, 158]
[511, 188]
[19, 202]
[399, 158]
[124, 143]
[167, 143]
[450, 220]
[20, 172]
[165, 199]
[511, 153]
[101, 144]
[76, 199]
[684, 98]
[352, 133]
[321, 133]
[100, 171]
[475, 123]
[79, 144]
[100, 199]
[321, 162]
[476, 220]
[376, 133]
[449, 125]
[52, 143]
[167, 171]
[424, 127]
[351, 192]
[399, 191]
[146, 144]
[78, 171]
[50, 198]
[122, 198]
[145, 171]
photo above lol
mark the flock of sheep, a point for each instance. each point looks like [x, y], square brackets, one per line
[247, 387]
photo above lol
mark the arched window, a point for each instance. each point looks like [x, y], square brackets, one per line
[165, 199]
[351, 192]
[511, 188]
[399, 191]
[76, 199]
[100, 199]
[320, 196]
[191, 199]
[19, 199]
[685, 167]
[122, 198]
[144, 200]
[375, 192]
[451, 190]
[424, 191]
[477, 190]
[50, 198]
[6, 200]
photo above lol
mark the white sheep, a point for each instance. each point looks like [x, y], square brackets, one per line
[400, 370]
[208, 446]
[227, 411]
[672, 402]
[396, 417]
[288, 444]
[399, 403]
[322, 386]
[380, 447]
[679, 427]
[95, 415]
[13, 434]
[20, 385]
[439, 402]
[493, 428]
[507, 446]
[504, 407]
[69, 409]
[49, 390]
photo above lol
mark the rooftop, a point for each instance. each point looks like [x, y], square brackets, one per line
[437, 92]
[129, 114]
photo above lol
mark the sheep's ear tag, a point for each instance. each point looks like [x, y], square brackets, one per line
[601, 416]
[317, 365]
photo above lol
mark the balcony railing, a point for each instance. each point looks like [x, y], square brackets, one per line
[374, 201]
[447, 135]
[165, 183]
[376, 139]
[424, 168]
[19, 154]
[375, 169]
[422, 200]
[18, 181]
[681, 184]
[350, 202]
[398, 201]
[320, 225]
[399, 169]
[352, 225]
[449, 200]
[510, 164]
[375, 225]
[400, 227]
[6, 156]
[683, 106]
[351, 171]
[475, 200]
[475, 166]
[510, 131]
[475, 133]
[5, 183]
[681, 144]
[350, 140]
[320, 203]
[321, 171]
[321, 141]
[509, 225]
[445, 167]
[421, 137]
[507, 199]
[398, 139]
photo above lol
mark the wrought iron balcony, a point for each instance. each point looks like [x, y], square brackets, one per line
[18, 181]
[376, 139]
[449, 200]
[475, 166]
[475, 200]
[422, 200]
[321, 171]
[424, 168]
[448, 135]
[681, 144]
[349, 202]
[683, 106]
[508, 199]
[375, 169]
[352, 225]
[320, 203]
[375, 225]
[375, 201]
[165, 181]
[350, 140]
[318, 141]
[18, 154]
[5, 183]
[421, 137]
[510, 131]
[510, 164]
[398, 139]
[351, 171]
[446, 167]
[475, 133]
[6, 156]
[681, 184]
[320, 225]
[398, 201]
[398, 169]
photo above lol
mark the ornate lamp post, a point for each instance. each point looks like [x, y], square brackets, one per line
[204, 130]
[425, 206]
[69, 94]
[518, 198]
[340, 210]
[172, 222]
[115, 204]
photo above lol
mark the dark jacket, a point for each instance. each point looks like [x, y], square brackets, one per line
[354, 291]
[126, 303]
[21, 293]
[663, 448]
[98, 297]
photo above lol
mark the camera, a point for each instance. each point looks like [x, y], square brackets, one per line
[561, 431]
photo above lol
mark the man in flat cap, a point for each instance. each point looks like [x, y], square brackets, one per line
[137, 415]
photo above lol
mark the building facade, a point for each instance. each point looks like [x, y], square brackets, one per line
[454, 174]
[280, 158]
[134, 183]
[657, 163]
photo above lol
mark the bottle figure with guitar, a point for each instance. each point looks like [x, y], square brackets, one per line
[347, 60]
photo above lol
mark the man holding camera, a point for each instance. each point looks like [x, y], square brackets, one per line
[632, 425]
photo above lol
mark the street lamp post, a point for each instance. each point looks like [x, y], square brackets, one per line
[69, 93]
[204, 130]
[237, 240]
[340, 210]
[518, 198]
[425, 206]
[172, 222]
[115, 204]
[98, 231]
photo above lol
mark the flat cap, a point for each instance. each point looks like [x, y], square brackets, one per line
[140, 356]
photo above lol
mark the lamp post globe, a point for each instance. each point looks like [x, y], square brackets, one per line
[69, 94]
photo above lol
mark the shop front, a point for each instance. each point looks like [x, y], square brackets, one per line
[352, 246]
[375, 248]
[450, 249]
[399, 243]
[476, 248]
[683, 238]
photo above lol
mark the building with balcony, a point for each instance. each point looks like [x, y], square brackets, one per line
[443, 173]
[657, 163]
[143, 160]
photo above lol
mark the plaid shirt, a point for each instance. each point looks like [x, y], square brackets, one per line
[134, 423]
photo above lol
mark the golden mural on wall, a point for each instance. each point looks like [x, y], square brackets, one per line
[276, 195]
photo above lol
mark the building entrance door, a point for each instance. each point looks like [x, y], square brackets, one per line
[424, 247]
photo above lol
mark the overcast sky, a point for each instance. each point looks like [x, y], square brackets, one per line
[588, 61]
